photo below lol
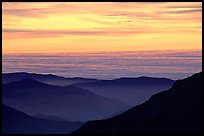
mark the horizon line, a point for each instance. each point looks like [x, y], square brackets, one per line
[58, 52]
[52, 74]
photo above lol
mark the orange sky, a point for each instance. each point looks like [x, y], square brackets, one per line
[36, 27]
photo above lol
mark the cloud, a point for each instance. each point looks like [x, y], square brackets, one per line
[117, 31]
[185, 11]
[48, 33]
[94, 32]
[117, 14]
[31, 13]
[38, 10]
[128, 18]
[186, 6]
[114, 9]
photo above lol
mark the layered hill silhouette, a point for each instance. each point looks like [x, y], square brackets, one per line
[132, 91]
[69, 102]
[17, 122]
[46, 78]
[174, 111]
[50, 117]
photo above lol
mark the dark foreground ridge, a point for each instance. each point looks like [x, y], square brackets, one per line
[175, 111]
[17, 122]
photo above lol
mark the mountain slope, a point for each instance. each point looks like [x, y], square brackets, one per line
[133, 91]
[70, 102]
[17, 122]
[46, 78]
[175, 111]
[55, 118]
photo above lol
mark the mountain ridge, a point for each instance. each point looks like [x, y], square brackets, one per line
[22, 75]
[177, 110]
[69, 102]
[17, 122]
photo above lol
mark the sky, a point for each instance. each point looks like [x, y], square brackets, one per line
[35, 27]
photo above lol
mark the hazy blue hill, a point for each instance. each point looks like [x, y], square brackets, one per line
[130, 90]
[126, 81]
[69, 102]
[10, 77]
[30, 86]
[17, 122]
[26, 83]
[174, 111]
[141, 80]
[46, 78]
[50, 117]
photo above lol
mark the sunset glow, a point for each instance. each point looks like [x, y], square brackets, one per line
[36, 27]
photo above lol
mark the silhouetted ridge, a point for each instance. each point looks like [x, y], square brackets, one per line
[17, 122]
[31, 83]
[179, 84]
[27, 83]
[132, 91]
[25, 75]
[46, 78]
[174, 111]
[69, 102]
[50, 117]
[142, 80]
[79, 90]
[10, 77]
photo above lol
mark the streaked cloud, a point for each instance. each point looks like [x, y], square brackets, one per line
[186, 6]
[57, 33]
[186, 11]
[93, 32]
[110, 20]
